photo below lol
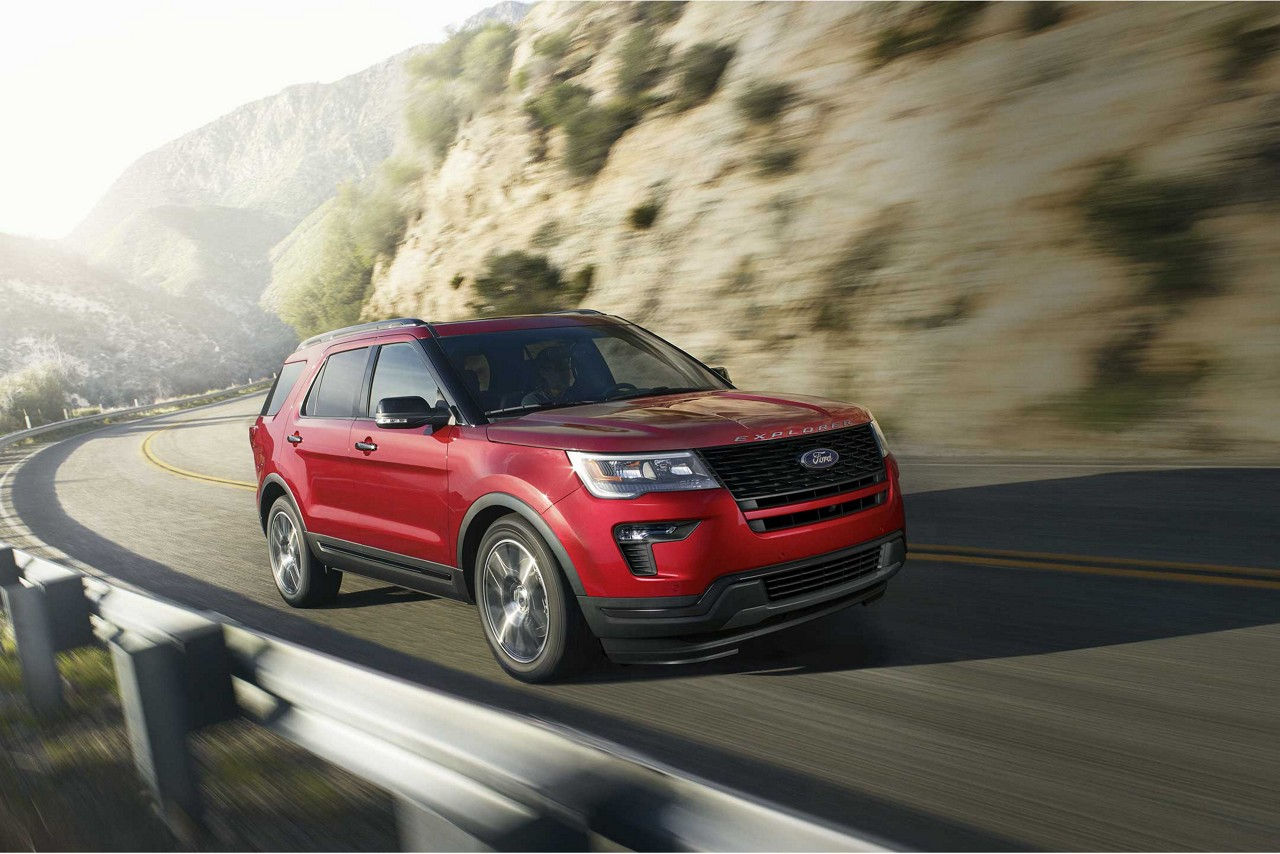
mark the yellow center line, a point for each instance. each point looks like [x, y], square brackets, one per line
[1074, 558]
[151, 457]
[1154, 574]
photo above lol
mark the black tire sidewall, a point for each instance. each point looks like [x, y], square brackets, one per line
[562, 614]
[318, 584]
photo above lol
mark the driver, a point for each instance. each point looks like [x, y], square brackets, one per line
[555, 376]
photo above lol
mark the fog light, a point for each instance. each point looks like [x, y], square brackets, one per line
[635, 541]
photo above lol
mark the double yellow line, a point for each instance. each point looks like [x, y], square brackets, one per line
[1159, 570]
[150, 454]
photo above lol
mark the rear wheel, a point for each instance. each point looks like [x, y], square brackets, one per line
[533, 626]
[302, 580]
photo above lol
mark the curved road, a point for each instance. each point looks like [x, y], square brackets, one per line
[1086, 657]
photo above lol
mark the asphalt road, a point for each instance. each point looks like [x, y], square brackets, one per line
[1074, 657]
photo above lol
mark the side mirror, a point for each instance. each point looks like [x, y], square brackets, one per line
[724, 374]
[405, 412]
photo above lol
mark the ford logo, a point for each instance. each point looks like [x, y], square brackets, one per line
[819, 458]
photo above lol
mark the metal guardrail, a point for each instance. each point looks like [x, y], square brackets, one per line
[55, 426]
[463, 776]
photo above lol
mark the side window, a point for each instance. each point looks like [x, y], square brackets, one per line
[334, 394]
[402, 372]
[285, 381]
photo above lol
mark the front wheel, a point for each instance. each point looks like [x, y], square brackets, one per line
[302, 580]
[529, 617]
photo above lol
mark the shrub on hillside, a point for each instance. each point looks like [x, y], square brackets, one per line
[659, 12]
[553, 46]
[930, 25]
[643, 216]
[591, 132]
[328, 289]
[763, 101]
[517, 283]
[641, 61]
[38, 391]
[554, 106]
[432, 118]
[777, 160]
[1246, 41]
[1043, 15]
[486, 60]
[700, 69]
[1151, 221]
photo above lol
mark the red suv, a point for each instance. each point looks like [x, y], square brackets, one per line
[573, 475]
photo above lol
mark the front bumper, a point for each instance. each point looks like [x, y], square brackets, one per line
[736, 608]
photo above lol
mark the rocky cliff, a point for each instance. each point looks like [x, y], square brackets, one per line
[1016, 226]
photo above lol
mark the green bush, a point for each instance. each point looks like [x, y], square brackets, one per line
[432, 117]
[763, 102]
[486, 59]
[591, 132]
[547, 235]
[856, 269]
[328, 289]
[932, 25]
[641, 61]
[580, 284]
[554, 106]
[1043, 15]
[553, 46]
[1245, 41]
[39, 391]
[457, 281]
[700, 69]
[643, 216]
[777, 161]
[1151, 222]
[522, 283]
[659, 12]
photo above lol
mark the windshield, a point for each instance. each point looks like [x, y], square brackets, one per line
[523, 370]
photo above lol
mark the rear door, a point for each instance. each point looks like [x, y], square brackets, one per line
[401, 475]
[321, 438]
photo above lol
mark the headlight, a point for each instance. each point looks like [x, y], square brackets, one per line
[884, 446]
[629, 475]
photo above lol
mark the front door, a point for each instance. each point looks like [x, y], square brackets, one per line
[400, 474]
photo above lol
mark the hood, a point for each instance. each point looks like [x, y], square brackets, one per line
[677, 421]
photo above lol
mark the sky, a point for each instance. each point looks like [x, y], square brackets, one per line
[88, 87]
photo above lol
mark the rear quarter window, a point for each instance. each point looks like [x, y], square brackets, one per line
[280, 389]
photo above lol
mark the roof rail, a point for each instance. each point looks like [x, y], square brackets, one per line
[576, 311]
[362, 327]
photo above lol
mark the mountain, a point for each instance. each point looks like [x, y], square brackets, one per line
[998, 225]
[57, 305]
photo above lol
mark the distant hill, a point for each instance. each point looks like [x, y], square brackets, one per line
[126, 340]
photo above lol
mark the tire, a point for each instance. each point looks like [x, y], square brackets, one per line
[301, 580]
[509, 606]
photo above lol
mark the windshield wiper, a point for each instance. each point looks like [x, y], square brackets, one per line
[657, 390]
[535, 407]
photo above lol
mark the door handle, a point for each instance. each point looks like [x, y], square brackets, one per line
[295, 439]
[366, 446]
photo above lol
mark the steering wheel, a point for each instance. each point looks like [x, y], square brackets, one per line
[617, 388]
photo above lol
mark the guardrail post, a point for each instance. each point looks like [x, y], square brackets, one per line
[153, 695]
[422, 829]
[8, 567]
[28, 610]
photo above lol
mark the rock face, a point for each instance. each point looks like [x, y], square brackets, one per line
[966, 237]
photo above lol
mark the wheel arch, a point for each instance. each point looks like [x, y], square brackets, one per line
[487, 509]
[273, 487]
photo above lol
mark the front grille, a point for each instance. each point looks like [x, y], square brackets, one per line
[817, 514]
[768, 473]
[815, 576]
